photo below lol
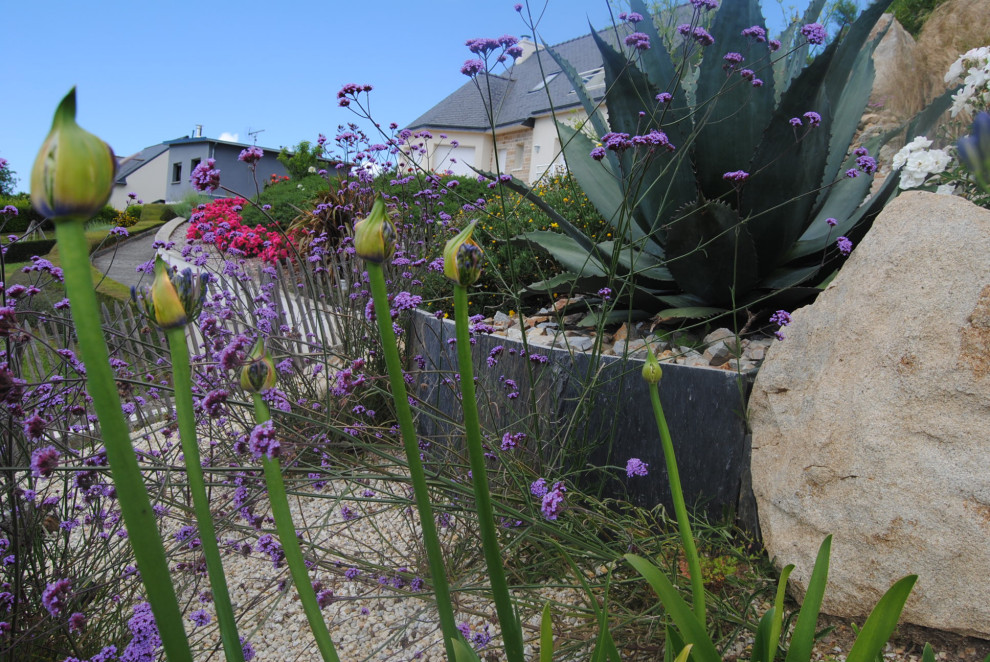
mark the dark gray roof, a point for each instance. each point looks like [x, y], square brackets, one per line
[135, 161]
[513, 93]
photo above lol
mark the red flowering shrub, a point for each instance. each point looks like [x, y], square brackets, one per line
[219, 223]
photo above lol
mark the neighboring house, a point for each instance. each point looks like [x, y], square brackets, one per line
[161, 172]
[524, 100]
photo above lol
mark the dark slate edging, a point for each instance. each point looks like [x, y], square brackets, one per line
[703, 408]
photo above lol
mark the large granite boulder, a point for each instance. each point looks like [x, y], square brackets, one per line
[871, 421]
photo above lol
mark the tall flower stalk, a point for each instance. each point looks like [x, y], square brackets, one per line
[374, 239]
[171, 306]
[652, 374]
[71, 180]
[257, 376]
[462, 264]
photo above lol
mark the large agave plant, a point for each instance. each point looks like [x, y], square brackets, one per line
[693, 243]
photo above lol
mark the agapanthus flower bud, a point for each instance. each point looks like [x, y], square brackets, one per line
[651, 369]
[258, 374]
[173, 298]
[74, 171]
[463, 257]
[374, 237]
[974, 150]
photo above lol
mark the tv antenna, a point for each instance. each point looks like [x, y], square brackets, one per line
[254, 134]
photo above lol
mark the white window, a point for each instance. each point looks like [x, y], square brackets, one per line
[593, 78]
[546, 81]
[455, 160]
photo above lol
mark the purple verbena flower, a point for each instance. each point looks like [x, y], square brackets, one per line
[538, 488]
[44, 461]
[781, 318]
[553, 501]
[77, 622]
[636, 467]
[598, 153]
[737, 176]
[200, 617]
[814, 119]
[251, 155]
[867, 164]
[757, 33]
[705, 5]
[814, 33]
[831, 222]
[262, 442]
[510, 440]
[638, 40]
[664, 97]
[845, 245]
[472, 67]
[702, 36]
[54, 596]
[605, 293]
[773, 45]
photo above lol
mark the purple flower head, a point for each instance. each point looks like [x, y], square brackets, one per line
[795, 121]
[510, 440]
[44, 461]
[638, 40]
[472, 67]
[517, 7]
[756, 82]
[605, 293]
[705, 5]
[34, 427]
[262, 442]
[781, 318]
[831, 222]
[200, 617]
[251, 155]
[758, 34]
[684, 29]
[845, 245]
[538, 488]
[634, 17]
[54, 596]
[10, 210]
[737, 176]
[702, 36]
[553, 501]
[732, 59]
[664, 97]
[852, 173]
[617, 142]
[598, 153]
[77, 622]
[861, 151]
[205, 177]
[867, 164]
[636, 467]
[814, 119]
[748, 74]
[814, 33]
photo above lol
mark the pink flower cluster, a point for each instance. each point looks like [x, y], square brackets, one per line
[219, 223]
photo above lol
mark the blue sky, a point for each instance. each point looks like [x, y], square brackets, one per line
[151, 71]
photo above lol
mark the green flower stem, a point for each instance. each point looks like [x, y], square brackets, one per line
[290, 544]
[182, 381]
[132, 493]
[511, 629]
[420, 489]
[680, 510]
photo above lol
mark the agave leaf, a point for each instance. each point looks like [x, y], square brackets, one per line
[711, 254]
[788, 276]
[881, 622]
[787, 67]
[684, 618]
[803, 637]
[591, 108]
[786, 172]
[571, 255]
[848, 84]
[691, 312]
[597, 179]
[647, 182]
[612, 317]
[923, 122]
[928, 655]
[637, 263]
[736, 112]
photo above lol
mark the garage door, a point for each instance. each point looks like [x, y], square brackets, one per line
[455, 159]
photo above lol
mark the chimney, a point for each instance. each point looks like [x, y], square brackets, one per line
[199, 131]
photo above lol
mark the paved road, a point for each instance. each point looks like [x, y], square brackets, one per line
[121, 264]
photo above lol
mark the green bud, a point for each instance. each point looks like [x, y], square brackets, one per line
[169, 303]
[651, 369]
[259, 373]
[374, 237]
[463, 257]
[73, 173]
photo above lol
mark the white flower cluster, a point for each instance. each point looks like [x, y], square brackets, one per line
[975, 66]
[918, 162]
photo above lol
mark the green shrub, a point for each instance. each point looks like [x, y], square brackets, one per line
[25, 215]
[189, 202]
[912, 14]
[22, 251]
[285, 198]
[168, 213]
[134, 212]
[153, 211]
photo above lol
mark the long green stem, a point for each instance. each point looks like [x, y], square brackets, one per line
[182, 380]
[680, 510]
[290, 544]
[132, 494]
[420, 489]
[511, 629]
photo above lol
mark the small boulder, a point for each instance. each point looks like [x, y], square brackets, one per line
[870, 421]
